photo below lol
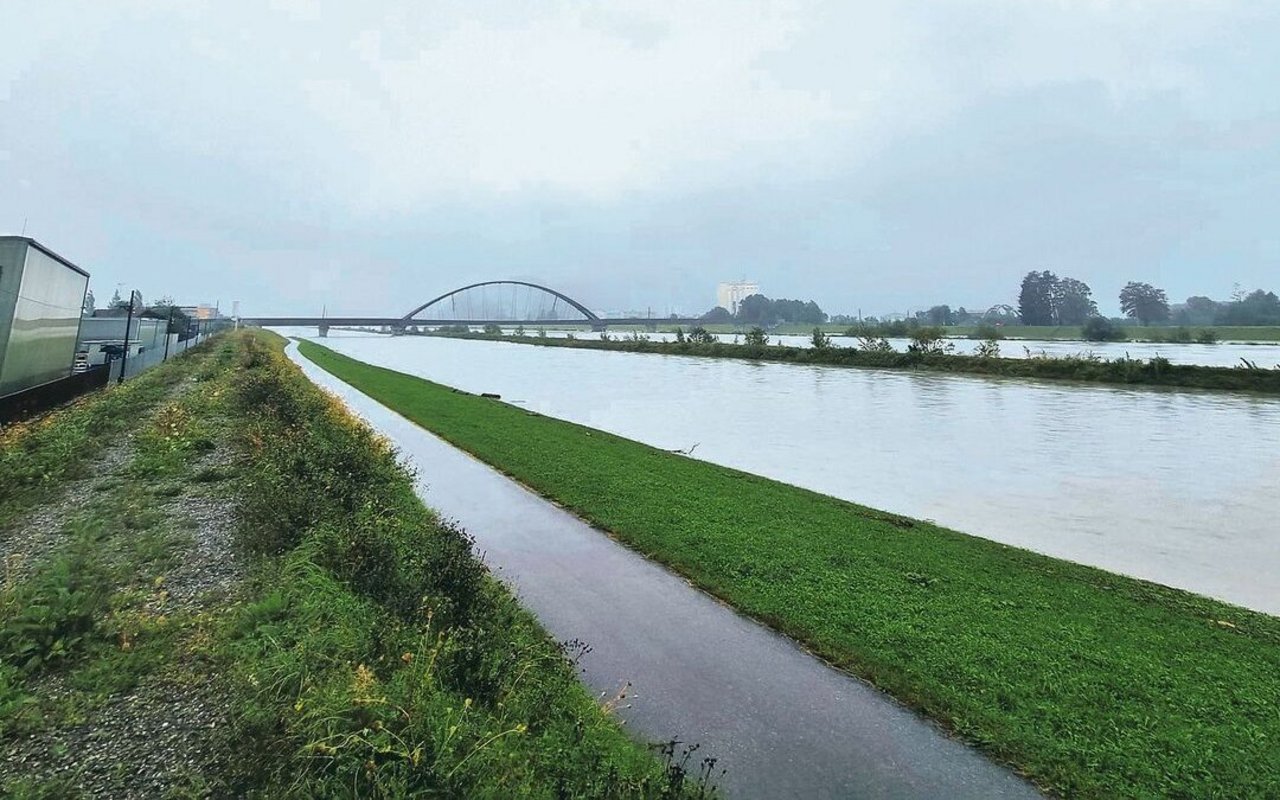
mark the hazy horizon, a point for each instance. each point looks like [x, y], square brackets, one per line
[293, 156]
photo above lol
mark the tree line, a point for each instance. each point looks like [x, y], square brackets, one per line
[758, 309]
[1046, 299]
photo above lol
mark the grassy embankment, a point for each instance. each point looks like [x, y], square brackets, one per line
[368, 652]
[1093, 684]
[1121, 371]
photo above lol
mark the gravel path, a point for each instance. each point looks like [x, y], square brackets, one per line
[24, 545]
[162, 738]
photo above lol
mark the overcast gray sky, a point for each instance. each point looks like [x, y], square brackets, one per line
[883, 156]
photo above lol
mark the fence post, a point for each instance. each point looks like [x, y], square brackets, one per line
[128, 322]
[166, 335]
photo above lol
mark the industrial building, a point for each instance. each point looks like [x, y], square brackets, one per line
[41, 299]
[731, 294]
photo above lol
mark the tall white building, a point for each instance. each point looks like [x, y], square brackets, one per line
[730, 295]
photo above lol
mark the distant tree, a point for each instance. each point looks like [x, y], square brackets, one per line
[812, 314]
[940, 315]
[1198, 310]
[1036, 299]
[756, 309]
[1144, 302]
[717, 315]
[89, 303]
[116, 302]
[1074, 302]
[1256, 308]
[820, 340]
[179, 322]
[1101, 329]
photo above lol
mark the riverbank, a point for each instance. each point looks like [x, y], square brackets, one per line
[243, 596]
[1095, 684]
[1155, 372]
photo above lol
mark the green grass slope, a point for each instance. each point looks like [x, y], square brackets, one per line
[1091, 683]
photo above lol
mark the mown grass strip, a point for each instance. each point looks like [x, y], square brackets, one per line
[1155, 372]
[1091, 683]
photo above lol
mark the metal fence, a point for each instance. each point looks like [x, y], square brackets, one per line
[37, 399]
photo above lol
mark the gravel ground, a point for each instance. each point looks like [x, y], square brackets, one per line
[160, 739]
[24, 545]
[157, 741]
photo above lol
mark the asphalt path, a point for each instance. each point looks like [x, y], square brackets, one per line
[781, 722]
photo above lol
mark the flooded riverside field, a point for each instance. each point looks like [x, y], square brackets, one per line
[1223, 354]
[1178, 487]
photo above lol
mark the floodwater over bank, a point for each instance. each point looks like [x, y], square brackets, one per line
[1177, 487]
[1223, 354]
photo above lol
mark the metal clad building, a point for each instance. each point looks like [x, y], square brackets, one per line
[41, 297]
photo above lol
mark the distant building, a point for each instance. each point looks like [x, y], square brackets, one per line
[730, 295]
[201, 311]
[41, 298]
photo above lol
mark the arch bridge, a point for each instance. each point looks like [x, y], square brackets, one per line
[507, 303]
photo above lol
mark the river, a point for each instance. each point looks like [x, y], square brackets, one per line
[1177, 487]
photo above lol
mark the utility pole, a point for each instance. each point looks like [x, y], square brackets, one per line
[128, 323]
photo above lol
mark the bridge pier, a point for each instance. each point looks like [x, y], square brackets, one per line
[324, 331]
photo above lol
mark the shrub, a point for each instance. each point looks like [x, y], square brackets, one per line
[700, 335]
[756, 338]
[929, 341]
[988, 349]
[986, 332]
[1207, 336]
[820, 340]
[1101, 329]
[870, 343]
[492, 329]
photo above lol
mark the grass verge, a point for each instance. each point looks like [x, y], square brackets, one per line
[1093, 684]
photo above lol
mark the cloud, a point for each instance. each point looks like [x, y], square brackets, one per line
[861, 153]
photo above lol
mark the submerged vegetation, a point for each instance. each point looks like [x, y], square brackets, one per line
[930, 351]
[1093, 684]
[360, 648]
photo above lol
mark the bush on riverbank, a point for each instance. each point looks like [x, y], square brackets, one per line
[1094, 684]
[378, 657]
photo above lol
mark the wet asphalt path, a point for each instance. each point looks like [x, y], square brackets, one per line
[780, 721]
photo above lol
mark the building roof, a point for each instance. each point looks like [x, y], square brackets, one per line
[33, 243]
